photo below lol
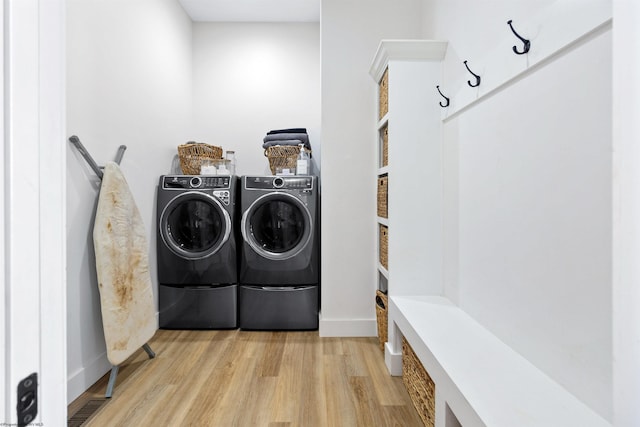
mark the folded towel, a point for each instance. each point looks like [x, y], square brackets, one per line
[284, 136]
[294, 142]
[291, 130]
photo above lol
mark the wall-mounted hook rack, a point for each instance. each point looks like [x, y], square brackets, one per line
[527, 43]
[97, 169]
[474, 75]
[446, 99]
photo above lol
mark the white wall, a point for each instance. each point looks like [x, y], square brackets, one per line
[128, 82]
[528, 223]
[250, 78]
[351, 32]
[626, 217]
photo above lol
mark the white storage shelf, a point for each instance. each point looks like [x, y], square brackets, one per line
[414, 152]
[482, 380]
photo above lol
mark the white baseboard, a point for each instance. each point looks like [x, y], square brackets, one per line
[348, 327]
[393, 361]
[79, 381]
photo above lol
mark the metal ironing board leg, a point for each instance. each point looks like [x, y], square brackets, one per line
[114, 372]
[112, 382]
[97, 169]
[149, 351]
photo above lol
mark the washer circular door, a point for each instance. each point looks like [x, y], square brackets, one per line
[194, 225]
[277, 226]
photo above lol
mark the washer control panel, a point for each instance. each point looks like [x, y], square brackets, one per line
[279, 182]
[197, 182]
[223, 195]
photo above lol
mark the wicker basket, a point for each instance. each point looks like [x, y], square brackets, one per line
[420, 386]
[384, 94]
[382, 317]
[385, 145]
[383, 185]
[384, 246]
[192, 154]
[283, 156]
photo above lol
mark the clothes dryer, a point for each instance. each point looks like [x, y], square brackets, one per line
[279, 252]
[279, 230]
[197, 253]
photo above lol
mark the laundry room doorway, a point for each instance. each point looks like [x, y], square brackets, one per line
[168, 93]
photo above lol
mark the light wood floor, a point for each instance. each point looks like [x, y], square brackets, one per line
[247, 379]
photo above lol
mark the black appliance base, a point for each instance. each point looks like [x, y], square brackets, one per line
[278, 308]
[201, 307]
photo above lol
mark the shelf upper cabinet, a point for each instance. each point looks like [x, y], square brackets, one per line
[405, 50]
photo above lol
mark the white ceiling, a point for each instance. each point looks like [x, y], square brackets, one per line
[253, 10]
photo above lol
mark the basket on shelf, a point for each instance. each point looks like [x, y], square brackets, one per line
[192, 154]
[283, 156]
[419, 384]
[384, 94]
[383, 185]
[384, 245]
[385, 145]
[382, 317]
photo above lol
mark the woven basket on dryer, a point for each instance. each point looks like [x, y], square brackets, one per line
[192, 154]
[283, 156]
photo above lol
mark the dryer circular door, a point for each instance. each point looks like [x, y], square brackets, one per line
[194, 225]
[277, 226]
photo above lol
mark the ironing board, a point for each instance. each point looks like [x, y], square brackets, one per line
[122, 266]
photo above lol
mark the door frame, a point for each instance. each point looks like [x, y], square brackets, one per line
[33, 325]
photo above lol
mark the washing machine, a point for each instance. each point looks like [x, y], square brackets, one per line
[197, 252]
[279, 253]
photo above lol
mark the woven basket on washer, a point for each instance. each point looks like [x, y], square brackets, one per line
[192, 154]
[420, 386]
[382, 317]
[283, 156]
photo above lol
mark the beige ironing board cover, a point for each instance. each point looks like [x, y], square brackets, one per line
[122, 264]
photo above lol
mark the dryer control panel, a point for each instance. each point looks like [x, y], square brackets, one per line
[279, 182]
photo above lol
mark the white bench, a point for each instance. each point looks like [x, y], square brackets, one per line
[478, 377]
